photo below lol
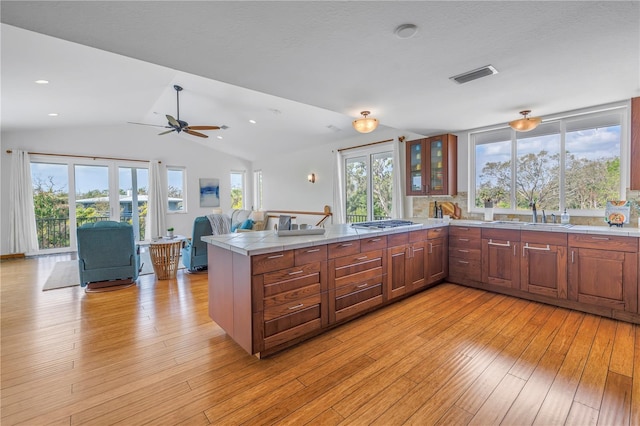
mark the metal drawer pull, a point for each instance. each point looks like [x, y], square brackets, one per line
[508, 244]
[362, 285]
[296, 272]
[463, 239]
[527, 246]
[430, 248]
[463, 261]
[600, 238]
[276, 256]
[313, 251]
[299, 305]
[463, 251]
[346, 245]
[361, 258]
[374, 240]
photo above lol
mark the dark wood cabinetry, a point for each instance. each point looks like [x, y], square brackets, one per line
[432, 166]
[543, 269]
[437, 254]
[500, 257]
[465, 255]
[603, 271]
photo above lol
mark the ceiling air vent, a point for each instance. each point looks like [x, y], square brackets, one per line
[474, 75]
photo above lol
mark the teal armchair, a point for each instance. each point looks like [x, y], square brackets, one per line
[107, 252]
[194, 253]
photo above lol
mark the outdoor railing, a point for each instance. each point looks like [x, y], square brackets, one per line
[55, 232]
[353, 218]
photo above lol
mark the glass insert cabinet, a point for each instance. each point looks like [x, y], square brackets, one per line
[432, 165]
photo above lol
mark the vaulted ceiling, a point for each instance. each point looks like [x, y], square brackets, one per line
[304, 70]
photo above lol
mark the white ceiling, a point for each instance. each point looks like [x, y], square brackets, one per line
[304, 70]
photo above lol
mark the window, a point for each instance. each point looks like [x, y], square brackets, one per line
[368, 185]
[237, 190]
[176, 190]
[571, 162]
[257, 185]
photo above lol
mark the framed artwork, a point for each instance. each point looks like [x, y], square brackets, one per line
[209, 192]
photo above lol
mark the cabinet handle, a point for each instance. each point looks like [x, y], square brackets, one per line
[313, 251]
[346, 244]
[508, 244]
[296, 272]
[528, 247]
[463, 251]
[463, 239]
[437, 230]
[464, 229]
[275, 256]
[463, 261]
[362, 285]
[361, 258]
[572, 256]
[600, 238]
[430, 248]
[515, 246]
[374, 240]
[299, 305]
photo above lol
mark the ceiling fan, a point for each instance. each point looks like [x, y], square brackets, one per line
[177, 125]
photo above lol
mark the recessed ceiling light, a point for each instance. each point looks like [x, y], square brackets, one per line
[252, 121]
[53, 114]
[406, 31]
[219, 137]
[41, 81]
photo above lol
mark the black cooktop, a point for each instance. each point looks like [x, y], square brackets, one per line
[390, 223]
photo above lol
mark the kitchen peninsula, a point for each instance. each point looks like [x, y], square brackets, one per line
[269, 292]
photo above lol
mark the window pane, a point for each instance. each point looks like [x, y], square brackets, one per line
[493, 173]
[175, 193]
[592, 167]
[237, 190]
[133, 183]
[382, 174]
[51, 204]
[356, 189]
[538, 169]
[257, 184]
[92, 194]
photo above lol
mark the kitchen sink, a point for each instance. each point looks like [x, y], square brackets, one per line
[548, 225]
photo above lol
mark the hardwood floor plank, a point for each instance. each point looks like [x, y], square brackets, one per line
[499, 402]
[635, 392]
[616, 402]
[623, 349]
[582, 415]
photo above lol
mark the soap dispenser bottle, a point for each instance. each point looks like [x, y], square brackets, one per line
[564, 217]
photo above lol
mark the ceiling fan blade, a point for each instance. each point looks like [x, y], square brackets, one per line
[191, 132]
[202, 127]
[173, 121]
[168, 131]
[145, 124]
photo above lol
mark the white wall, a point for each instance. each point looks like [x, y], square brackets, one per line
[132, 142]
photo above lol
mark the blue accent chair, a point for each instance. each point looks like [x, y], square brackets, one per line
[107, 252]
[194, 253]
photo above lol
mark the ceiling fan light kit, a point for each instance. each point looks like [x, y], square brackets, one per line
[177, 125]
[365, 124]
[525, 123]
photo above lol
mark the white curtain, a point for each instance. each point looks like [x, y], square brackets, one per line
[23, 237]
[397, 206]
[338, 190]
[156, 206]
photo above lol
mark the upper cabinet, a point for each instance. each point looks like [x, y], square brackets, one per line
[432, 166]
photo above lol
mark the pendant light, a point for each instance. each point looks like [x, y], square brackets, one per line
[526, 123]
[365, 124]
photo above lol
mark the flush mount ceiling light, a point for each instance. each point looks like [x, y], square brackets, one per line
[525, 123]
[365, 124]
[468, 76]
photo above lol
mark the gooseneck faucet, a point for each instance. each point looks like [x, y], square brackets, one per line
[532, 204]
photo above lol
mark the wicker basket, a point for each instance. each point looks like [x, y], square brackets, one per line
[165, 257]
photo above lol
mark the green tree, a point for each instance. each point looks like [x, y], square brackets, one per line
[236, 198]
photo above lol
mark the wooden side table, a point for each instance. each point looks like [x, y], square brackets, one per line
[165, 256]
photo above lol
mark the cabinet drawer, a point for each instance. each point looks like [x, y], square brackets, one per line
[501, 234]
[550, 238]
[373, 243]
[271, 262]
[465, 231]
[348, 300]
[358, 285]
[290, 302]
[465, 253]
[310, 254]
[291, 278]
[462, 270]
[284, 328]
[358, 262]
[604, 242]
[358, 277]
[395, 240]
[417, 236]
[344, 248]
[469, 238]
[437, 232]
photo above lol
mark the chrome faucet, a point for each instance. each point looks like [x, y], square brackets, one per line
[553, 216]
[532, 204]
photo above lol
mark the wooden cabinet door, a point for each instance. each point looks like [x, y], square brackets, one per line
[418, 265]
[544, 270]
[438, 263]
[397, 271]
[604, 278]
[416, 171]
[431, 166]
[500, 263]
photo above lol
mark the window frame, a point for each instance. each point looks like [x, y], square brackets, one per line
[621, 108]
[184, 189]
[243, 183]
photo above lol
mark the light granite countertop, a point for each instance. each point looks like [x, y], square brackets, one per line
[260, 242]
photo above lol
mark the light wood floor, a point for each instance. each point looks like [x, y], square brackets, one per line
[450, 355]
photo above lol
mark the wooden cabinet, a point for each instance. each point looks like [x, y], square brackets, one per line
[437, 254]
[432, 166]
[500, 257]
[603, 271]
[465, 258]
[290, 295]
[356, 278]
[543, 268]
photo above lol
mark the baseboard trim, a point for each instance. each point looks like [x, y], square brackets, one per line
[12, 256]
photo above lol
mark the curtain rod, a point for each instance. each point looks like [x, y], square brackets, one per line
[367, 144]
[93, 157]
